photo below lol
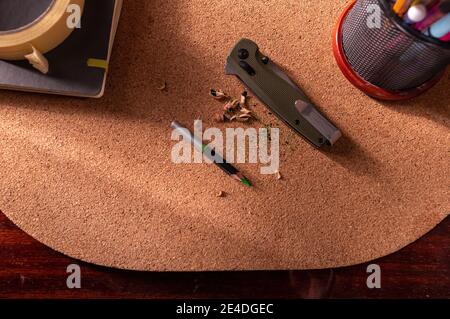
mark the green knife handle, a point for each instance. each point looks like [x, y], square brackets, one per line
[275, 89]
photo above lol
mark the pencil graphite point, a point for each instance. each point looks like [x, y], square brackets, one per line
[246, 182]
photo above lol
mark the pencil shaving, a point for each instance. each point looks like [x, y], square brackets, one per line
[228, 107]
[279, 176]
[163, 86]
[234, 104]
[245, 111]
[233, 109]
[243, 117]
[244, 98]
[221, 194]
[218, 94]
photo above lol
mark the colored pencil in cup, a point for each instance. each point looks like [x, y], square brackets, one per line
[440, 28]
[401, 7]
[416, 13]
[211, 154]
[445, 38]
[437, 12]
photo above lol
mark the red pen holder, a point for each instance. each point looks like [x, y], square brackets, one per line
[391, 61]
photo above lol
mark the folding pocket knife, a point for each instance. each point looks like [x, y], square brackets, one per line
[275, 89]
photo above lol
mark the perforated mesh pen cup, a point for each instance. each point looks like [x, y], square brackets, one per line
[391, 60]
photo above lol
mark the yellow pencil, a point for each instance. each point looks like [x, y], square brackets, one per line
[401, 7]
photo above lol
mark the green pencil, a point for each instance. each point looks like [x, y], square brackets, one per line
[211, 154]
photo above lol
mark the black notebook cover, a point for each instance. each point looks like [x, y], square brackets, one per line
[69, 73]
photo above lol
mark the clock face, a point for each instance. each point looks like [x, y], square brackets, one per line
[16, 14]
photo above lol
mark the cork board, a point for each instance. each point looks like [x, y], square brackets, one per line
[94, 179]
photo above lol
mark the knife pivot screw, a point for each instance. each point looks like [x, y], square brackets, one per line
[265, 60]
[243, 54]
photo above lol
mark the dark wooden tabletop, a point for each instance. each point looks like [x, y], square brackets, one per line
[29, 269]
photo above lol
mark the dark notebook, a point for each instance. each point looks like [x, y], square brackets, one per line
[69, 72]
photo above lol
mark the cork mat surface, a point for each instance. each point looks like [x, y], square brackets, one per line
[94, 178]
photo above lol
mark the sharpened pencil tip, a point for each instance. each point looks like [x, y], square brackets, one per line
[246, 182]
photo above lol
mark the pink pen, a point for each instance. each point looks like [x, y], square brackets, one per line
[446, 37]
[436, 12]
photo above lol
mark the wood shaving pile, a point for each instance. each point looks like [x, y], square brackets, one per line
[233, 109]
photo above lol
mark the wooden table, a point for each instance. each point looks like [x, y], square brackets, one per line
[29, 269]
